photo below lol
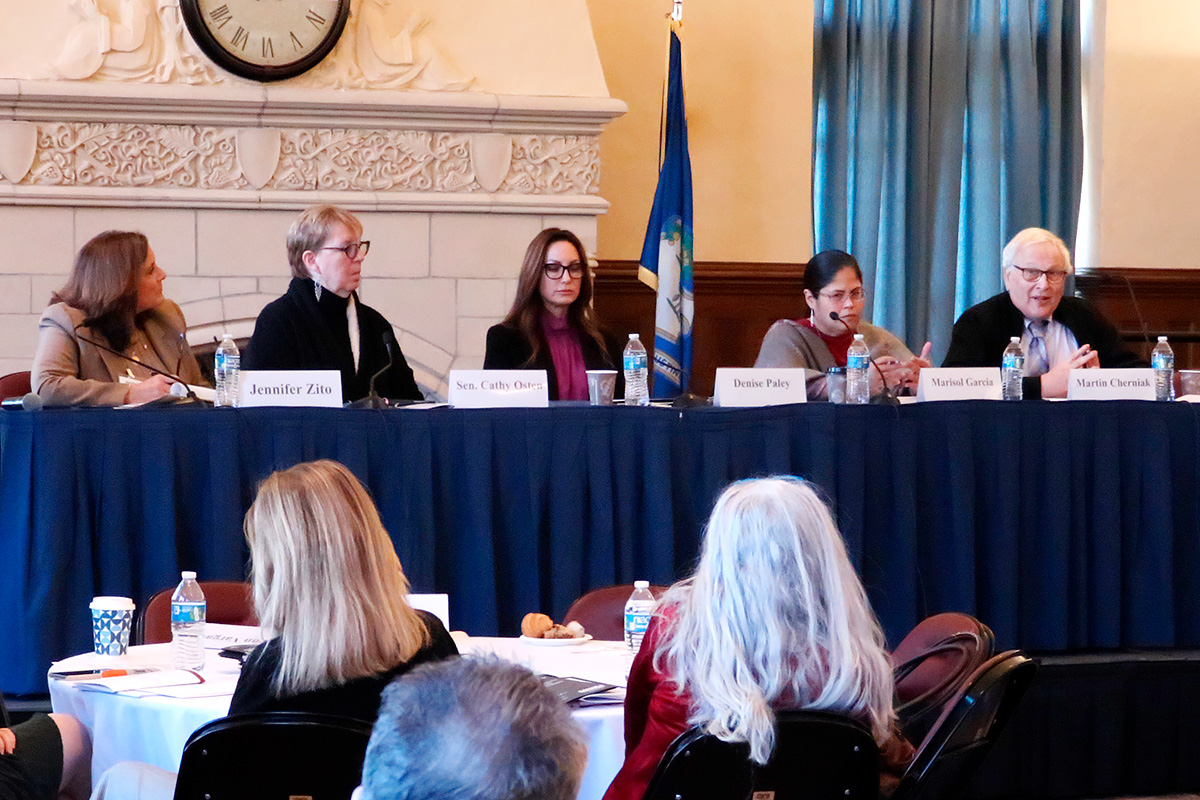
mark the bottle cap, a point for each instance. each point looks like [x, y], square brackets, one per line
[188, 575]
[633, 336]
[1162, 338]
[858, 337]
[641, 584]
[1015, 339]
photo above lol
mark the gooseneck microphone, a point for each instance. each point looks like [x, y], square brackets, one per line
[191, 397]
[373, 400]
[889, 397]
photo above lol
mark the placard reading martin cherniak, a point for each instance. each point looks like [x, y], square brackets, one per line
[747, 387]
[959, 383]
[499, 388]
[1111, 384]
[290, 387]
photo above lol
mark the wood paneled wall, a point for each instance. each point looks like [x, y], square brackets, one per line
[737, 302]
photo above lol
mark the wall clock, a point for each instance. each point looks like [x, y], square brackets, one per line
[266, 40]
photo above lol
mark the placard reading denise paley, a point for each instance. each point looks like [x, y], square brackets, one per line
[499, 388]
[1110, 384]
[290, 387]
[959, 383]
[744, 387]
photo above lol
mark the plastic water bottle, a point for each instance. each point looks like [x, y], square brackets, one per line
[227, 369]
[638, 610]
[637, 373]
[1162, 358]
[188, 610]
[1012, 370]
[858, 375]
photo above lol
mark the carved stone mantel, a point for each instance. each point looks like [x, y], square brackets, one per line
[106, 144]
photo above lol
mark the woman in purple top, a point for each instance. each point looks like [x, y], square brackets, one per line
[551, 325]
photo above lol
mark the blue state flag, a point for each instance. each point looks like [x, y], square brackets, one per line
[666, 262]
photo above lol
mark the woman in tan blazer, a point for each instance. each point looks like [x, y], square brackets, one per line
[107, 322]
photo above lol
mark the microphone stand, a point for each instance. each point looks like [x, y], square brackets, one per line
[166, 400]
[889, 397]
[373, 400]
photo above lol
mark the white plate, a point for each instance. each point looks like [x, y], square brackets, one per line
[587, 637]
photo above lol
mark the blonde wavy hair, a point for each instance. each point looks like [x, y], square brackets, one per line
[774, 615]
[327, 580]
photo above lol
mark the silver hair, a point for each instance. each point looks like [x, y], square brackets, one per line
[473, 729]
[1034, 236]
[774, 615]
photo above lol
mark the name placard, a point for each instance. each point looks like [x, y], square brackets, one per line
[959, 383]
[290, 387]
[499, 388]
[742, 387]
[1111, 384]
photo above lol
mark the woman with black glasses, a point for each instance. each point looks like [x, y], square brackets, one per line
[833, 291]
[320, 323]
[551, 325]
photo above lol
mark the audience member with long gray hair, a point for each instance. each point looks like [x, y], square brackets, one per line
[773, 617]
[473, 729]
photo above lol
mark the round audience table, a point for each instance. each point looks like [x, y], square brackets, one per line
[154, 728]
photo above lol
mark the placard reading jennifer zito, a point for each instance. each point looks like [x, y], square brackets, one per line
[288, 387]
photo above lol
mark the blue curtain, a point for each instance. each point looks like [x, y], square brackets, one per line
[940, 129]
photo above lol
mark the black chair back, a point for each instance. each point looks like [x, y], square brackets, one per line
[967, 729]
[274, 756]
[818, 756]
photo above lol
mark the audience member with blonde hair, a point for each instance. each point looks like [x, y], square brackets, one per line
[773, 617]
[329, 588]
[320, 323]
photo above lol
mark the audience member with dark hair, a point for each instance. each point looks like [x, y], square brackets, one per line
[551, 325]
[110, 316]
[473, 729]
[833, 285]
[47, 756]
[773, 617]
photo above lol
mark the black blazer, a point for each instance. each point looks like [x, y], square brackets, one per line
[292, 333]
[984, 330]
[507, 348]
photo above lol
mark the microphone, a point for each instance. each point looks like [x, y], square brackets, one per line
[191, 398]
[373, 400]
[30, 402]
[889, 398]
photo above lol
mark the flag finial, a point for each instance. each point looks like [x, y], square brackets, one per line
[677, 12]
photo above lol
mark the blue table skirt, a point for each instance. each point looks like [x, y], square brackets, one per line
[1062, 525]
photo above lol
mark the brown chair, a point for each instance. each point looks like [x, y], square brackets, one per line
[15, 384]
[602, 611]
[933, 663]
[966, 730]
[229, 603]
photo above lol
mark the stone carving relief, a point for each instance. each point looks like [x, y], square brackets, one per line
[146, 41]
[18, 145]
[194, 157]
[130, 40]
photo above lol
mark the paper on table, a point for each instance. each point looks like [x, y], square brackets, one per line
[213, 686]
[218, 636]
[142, 681]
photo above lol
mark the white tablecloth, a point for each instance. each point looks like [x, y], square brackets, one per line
[155, 729]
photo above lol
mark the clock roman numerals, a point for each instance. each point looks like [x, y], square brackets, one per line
[265, 40]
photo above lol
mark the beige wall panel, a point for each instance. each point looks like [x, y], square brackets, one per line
[748, 73]
[1150, 178]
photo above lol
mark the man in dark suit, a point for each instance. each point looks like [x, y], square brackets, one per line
[1058, 333]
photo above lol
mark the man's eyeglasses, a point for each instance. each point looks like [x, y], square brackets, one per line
[837, 298]
[351, 250]
[554, 270]
[1054, 277]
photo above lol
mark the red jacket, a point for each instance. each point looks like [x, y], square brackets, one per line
[655, 715]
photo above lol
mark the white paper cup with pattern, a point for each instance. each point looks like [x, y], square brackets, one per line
[112, 620]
